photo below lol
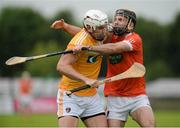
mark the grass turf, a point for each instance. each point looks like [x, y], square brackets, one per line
[163, 119]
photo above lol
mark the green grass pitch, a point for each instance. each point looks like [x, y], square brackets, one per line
[163, 119]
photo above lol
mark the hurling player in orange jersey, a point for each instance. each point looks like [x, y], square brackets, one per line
[128, 96]
[25, 96]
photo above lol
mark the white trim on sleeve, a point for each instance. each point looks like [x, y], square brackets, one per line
[129, 43]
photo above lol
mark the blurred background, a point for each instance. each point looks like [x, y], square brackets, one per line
[25, 31]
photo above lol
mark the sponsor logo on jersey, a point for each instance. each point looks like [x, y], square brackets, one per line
[92, 59]
[115, 58]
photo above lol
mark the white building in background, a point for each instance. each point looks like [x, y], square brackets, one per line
[6, 101]
[164, 88]
[164, 93]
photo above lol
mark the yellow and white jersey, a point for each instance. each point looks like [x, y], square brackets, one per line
[87, 64]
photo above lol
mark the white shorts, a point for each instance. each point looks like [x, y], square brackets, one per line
[78, 106]
[120, 107]
[25, 100]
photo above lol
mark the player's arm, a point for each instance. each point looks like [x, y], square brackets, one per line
[70, 29]
[65, 67]
[112, 48]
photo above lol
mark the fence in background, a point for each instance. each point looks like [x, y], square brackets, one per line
[163, 94]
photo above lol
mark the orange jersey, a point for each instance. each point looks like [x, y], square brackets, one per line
[87, 64]
[25, 86]
[118, 63]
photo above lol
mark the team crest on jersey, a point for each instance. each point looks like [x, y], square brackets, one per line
[91, 59]
[115, 58]
[68, 110]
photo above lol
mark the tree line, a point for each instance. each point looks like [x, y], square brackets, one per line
[25, 32]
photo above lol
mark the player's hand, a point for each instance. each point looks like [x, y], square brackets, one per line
[58, 24]
[77, 49]
[92, 83]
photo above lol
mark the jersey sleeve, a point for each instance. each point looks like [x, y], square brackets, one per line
[71, 44]
[78, 39]
[135, 42]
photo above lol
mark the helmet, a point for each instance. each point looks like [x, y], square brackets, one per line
[95, 18]
[127, 13]
[130, 15]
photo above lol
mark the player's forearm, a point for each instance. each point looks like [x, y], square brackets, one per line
[70, 72]
[71, 29]
[111, 48]
[105, 49]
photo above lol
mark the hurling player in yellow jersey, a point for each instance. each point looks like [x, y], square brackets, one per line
[80, 69]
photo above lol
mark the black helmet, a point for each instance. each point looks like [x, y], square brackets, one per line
[130, 15]
[126, 13]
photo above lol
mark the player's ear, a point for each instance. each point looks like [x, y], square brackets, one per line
[130, 26]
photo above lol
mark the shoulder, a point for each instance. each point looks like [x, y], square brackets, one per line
[136, 36]
[79, 38]
[133, 38]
